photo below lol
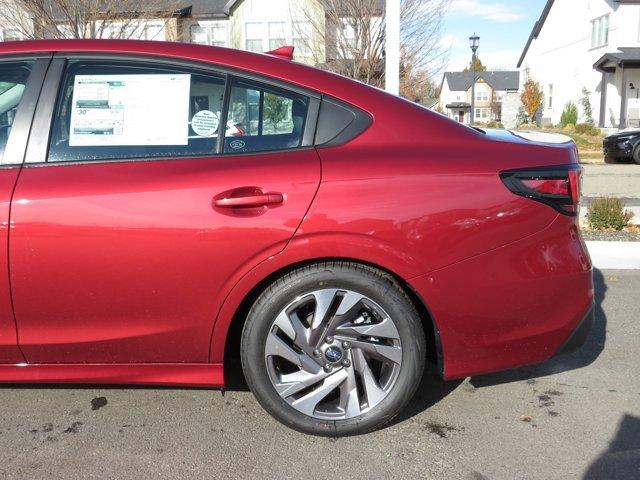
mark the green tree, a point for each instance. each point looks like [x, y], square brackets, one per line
[585, 102]
[479, 66]
[275, 108]
[569, 114]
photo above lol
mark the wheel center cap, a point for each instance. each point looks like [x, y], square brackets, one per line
[333, 354]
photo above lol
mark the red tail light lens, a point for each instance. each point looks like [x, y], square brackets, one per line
[558, 187]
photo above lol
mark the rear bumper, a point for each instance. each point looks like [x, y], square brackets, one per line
[579, 336]
[512, 306]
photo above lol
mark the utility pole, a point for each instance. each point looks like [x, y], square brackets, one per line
[392, 47]
[474, 43]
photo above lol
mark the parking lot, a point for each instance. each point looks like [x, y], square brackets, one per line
[576, 417]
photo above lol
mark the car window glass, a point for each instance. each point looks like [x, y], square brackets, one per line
[13, 79]
[126, 111]
[264, 118]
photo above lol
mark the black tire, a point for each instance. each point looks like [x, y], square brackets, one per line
[376, 285]
[610, 160]
[636, 154]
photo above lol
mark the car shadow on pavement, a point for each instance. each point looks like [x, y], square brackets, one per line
[622, 459]
[584, 356]
[432, 389]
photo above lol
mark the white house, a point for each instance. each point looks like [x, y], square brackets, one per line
[491, 89]
[254, 25]
[592, 44]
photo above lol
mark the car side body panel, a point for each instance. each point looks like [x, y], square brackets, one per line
[174, 374]
[127, 258]
[9, 352]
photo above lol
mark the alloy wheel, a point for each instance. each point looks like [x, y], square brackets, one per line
[333, 354]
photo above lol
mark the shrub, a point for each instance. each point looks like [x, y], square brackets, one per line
[586, 129]
[585, 101]
[494, 124]
[569, 114]
[608, 213]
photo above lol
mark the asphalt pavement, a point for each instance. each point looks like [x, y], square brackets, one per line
[613, 180]
[577, 417]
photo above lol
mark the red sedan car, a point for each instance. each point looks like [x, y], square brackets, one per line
[334, 238]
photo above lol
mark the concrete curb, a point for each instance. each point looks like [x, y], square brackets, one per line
[615, 255]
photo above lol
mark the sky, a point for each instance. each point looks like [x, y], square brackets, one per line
[502, 25]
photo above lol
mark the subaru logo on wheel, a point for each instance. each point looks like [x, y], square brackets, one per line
[333, 354]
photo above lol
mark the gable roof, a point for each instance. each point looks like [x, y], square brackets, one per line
[536, 30]
[462, 81]
[624, 56]
[205, 8]
[181, 8]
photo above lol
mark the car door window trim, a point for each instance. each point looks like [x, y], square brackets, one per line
[14, 153]
[36, 156]
[38, 147]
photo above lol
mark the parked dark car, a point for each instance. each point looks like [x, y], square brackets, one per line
[622, 146]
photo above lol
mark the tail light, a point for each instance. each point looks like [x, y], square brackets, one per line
[558, 187]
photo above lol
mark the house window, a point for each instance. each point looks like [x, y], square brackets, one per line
[482, 113]
[277, 37]
[482, 96]
[206, 33]
[600, 32]
[254, 33]
[153, 31]
[302, 38]
[550, 97]
[127, 30]
[66, 31]
[348, 39]
[11, 34]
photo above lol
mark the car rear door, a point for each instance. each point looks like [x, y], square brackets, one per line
[20, 83]
[130, 223]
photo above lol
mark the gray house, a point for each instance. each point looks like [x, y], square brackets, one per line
[491, 89]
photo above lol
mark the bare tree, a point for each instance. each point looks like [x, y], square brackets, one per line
[125, 19]
[352, 36]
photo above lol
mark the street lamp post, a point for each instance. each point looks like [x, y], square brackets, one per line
[474, 43]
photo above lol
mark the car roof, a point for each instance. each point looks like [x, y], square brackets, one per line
[378, 103]
[263, 64]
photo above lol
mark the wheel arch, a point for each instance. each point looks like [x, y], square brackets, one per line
[234, 377]
[635, 154]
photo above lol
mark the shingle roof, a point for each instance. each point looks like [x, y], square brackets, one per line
[624, 55]
[502, 80]
[207, 7]
[196, 8]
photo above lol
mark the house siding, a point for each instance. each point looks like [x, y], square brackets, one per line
[562, 56]
[259, 11]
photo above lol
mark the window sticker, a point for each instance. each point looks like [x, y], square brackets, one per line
[117, 110]
[205, 123]
[237, 144]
